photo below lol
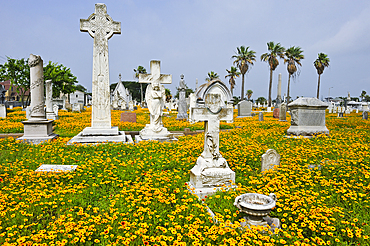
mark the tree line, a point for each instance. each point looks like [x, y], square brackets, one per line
[18, 72]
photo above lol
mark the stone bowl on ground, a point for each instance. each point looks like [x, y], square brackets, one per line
[255, 205]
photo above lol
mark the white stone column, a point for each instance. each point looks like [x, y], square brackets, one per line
[49, 94]
[37, 88]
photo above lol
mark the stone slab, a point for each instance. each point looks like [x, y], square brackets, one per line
[37, 131]
[128, 117]
[139, 138]
[120, 138]
[56, 168]
[92, 131]
[307, 130]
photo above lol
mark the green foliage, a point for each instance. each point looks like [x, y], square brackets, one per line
[62, 78]
[80, 88]
[138, 70]
[249, 94]
[211, 76]
[133, 87]
[261, 100]
[18, 72]
[232, 74]
[275, 51]
[321, 62]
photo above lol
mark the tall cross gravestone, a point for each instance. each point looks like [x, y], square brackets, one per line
[101, 27]
[155, 98]
[211, 169]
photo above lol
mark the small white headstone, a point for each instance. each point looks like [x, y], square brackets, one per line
[56, 168]
[55, 109]
[2, 111]
[270, 159]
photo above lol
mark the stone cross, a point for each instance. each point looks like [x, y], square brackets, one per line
[101, 27]
[155, 76]
[155, 98]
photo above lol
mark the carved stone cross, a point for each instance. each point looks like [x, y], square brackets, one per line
[101, 27]
[155, 75]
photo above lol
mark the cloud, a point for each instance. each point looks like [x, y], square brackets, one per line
[352, 36]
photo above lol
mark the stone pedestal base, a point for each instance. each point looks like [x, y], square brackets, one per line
[37, 131]
[138, 139]
[273, 223]
[210, 180]
[149, 133]
[92, 131]
[92, 135]
[307, 130]
[242, 116]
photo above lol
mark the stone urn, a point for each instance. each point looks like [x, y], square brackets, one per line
[257, 207]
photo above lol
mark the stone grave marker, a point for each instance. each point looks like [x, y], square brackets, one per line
[11, 106]
[282, 112]
[128, 117]
[56, 168]
[211, 170]
[56, 111]
[49, 100]
[260, 116]
[37, 128]
[2, 111]
[276, 113]
[307, 117]
[101, 28]
[244, 109]
[365, 115]
[155, 98]
[270, 159]
[183, 106]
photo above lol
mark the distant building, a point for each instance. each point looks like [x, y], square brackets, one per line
[11, 93]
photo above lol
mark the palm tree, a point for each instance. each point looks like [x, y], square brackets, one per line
[275, 51]
[211, 76]
[320, 63]
[249, 94]
[232, 73]
[293, 56]
[243, 59]
[140, 69]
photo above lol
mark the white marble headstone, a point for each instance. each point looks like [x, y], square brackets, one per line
[56, 168]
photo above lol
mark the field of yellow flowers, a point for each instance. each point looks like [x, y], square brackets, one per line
[137, 194]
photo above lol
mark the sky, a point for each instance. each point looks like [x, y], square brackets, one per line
[195, 37]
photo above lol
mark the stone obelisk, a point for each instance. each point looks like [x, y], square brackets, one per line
[278, 97]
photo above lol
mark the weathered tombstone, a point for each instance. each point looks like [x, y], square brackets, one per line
[131, 106]
[37, 129]
[244, 109]
[55, 110]
[308, 117]
[155, 97]
[282, 112]
[260, 116]
[270, 159]
[64, 102]
[128, 117]
[101, 27]
[56, 168]
[356, 110]
[269, 109]
[11, 106]
[365, 115]
[335, 110]
[2, 111]
[183, 107]
[211, 169]
[330, 110]
[76, 108]
[49, 100]
[276, 113]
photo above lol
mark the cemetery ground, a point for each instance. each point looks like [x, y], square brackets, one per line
[125, 194]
